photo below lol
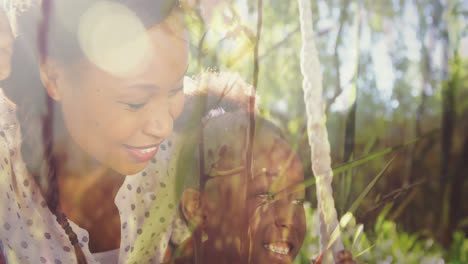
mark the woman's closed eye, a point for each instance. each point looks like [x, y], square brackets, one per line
[174, 92]
[134, 106]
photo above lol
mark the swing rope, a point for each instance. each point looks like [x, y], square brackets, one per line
[318, 137]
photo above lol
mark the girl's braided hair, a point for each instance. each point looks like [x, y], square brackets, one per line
[39, 116]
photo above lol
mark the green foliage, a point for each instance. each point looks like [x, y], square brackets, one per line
[458, 251]
[399, 99]
[310, 247]
[384, 244]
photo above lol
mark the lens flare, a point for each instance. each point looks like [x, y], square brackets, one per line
[114, 38]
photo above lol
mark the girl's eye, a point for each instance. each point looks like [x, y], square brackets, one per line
[298, 201]
[266, 196]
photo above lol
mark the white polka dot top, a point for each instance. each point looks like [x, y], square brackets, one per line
[29, 232]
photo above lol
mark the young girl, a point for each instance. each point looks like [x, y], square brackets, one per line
[242, 219]
[237, 219]
[93, 93]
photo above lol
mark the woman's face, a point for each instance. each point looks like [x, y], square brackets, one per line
[120, 121]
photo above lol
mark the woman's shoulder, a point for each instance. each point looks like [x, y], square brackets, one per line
[9, 132]
[9, 136]
[7, 112]
[6, 103]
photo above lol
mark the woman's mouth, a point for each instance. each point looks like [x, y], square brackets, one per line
[142, 154]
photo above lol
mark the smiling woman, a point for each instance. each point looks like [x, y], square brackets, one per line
[94, 90]
[124, 112]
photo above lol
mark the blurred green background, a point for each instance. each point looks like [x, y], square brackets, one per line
[394, 71]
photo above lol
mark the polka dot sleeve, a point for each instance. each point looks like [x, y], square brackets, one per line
[28, 230]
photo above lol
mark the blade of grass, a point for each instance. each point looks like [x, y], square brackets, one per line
[357, 202]
[395, 194]
[364, 251]
[381, 217]
[370, 144]
[399, 210]
[369, 187]
[349, 165]
[358, 233]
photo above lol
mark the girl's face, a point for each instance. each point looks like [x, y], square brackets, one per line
[276, 214]
[120, 121]
[275, 224]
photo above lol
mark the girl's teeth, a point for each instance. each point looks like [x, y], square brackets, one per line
[277, 248]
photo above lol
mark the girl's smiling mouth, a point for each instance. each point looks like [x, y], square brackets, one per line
[280, 252]
[278, 247]
[142, 154]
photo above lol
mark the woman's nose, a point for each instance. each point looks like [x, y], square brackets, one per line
[159, 121]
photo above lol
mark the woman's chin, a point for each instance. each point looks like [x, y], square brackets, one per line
[130, 168]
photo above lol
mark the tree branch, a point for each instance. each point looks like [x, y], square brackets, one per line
[343, 18]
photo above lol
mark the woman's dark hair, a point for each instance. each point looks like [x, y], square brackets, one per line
[36, 111]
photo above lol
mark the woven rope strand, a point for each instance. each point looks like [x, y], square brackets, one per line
[318, 136]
